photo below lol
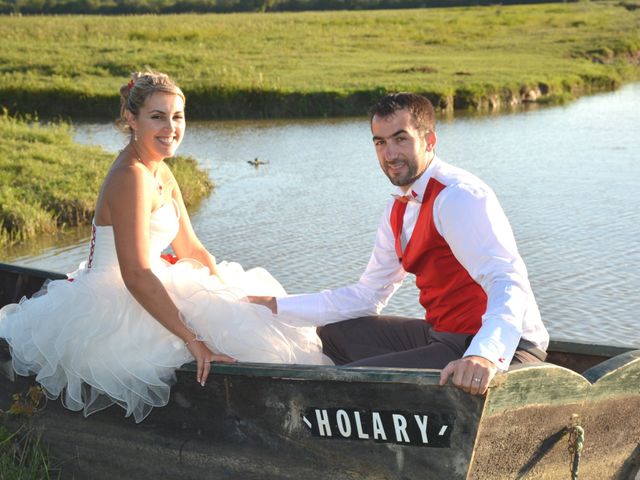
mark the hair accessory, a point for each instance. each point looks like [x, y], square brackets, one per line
[131, 83]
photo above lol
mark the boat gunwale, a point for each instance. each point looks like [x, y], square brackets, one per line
[45, 274]
[415, 376]
[583, 348]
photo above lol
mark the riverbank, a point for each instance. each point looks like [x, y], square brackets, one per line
[322, 63]
[50, 182]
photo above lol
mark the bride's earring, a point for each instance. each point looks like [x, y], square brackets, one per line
[135, 136]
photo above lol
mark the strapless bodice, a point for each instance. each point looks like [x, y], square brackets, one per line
[163, 228]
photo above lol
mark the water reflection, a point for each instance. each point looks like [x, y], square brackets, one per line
[51, 252]
[567, 177]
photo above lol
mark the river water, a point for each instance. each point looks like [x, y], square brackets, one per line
[568, 177]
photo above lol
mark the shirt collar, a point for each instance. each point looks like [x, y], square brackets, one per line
[420, 185]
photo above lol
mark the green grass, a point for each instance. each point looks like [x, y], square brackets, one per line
[49, 182]
[23, 456]
[320, 63]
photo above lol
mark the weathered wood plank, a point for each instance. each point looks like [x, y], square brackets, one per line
[534, 384]
[528, 412]
[617, 376]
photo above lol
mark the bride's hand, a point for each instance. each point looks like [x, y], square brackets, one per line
[203, 357]
[269, 302]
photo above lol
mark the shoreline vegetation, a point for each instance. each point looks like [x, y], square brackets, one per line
[129, 7]
[49, 182]
[322, 64]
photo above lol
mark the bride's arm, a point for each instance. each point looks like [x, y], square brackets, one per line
[186, 244]
[130, 205]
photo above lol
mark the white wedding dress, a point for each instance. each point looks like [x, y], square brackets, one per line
[90, 341]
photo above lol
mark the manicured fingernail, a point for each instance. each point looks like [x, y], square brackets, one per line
[202, 383]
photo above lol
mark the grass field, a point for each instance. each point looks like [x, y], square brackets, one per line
[49, 182]
[327, 63]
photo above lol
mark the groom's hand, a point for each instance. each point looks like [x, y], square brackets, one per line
[473, 374]
[269, 302]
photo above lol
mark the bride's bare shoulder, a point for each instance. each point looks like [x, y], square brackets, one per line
[124, 183]
[124, 175]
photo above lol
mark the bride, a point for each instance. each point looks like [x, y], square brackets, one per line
[126, 319]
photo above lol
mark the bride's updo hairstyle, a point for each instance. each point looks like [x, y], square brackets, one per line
[141, 86]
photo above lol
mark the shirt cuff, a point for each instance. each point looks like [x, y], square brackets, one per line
[496, 341]
[301, 310]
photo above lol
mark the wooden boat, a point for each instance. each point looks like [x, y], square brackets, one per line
[262, 421]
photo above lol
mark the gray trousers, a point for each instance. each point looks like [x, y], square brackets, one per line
[388, 341]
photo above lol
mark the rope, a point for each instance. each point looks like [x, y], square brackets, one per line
[576, 443]
[92, 245]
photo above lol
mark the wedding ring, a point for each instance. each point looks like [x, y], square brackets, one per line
[477, 379]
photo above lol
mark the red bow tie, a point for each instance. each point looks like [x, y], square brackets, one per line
[405, 198]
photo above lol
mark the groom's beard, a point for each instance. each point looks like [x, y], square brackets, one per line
[405, 177]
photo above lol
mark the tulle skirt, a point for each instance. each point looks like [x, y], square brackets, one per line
[91, 343]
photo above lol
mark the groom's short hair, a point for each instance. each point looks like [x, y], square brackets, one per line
[419, 107]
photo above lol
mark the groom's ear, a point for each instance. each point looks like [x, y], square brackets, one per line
[431, 140]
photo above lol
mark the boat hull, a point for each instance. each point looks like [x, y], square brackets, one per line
[290, 422]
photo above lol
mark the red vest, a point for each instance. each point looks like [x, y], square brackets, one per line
[453, 301]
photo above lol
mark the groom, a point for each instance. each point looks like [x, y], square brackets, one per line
[445, 226]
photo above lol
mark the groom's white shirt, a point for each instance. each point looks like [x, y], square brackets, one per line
[465, 208]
